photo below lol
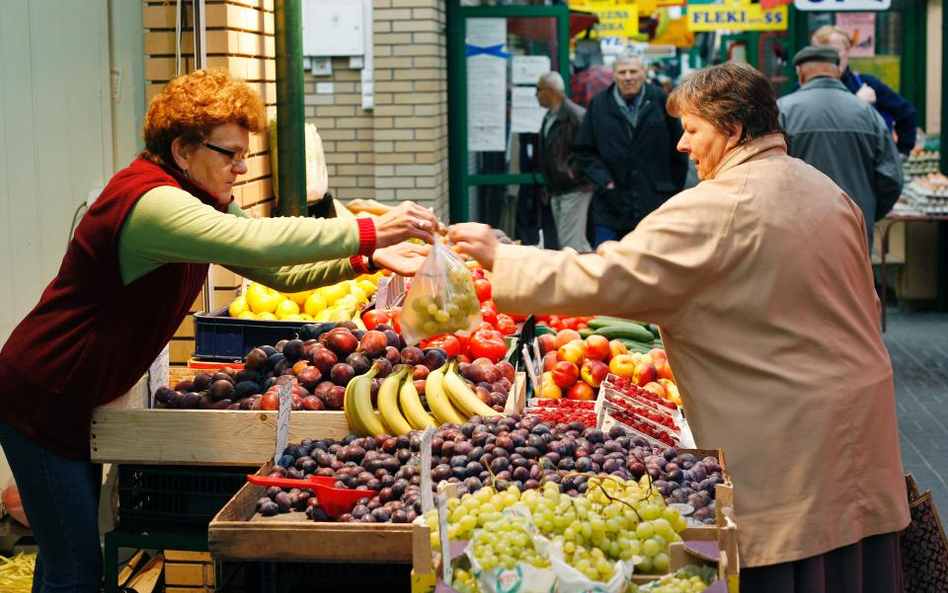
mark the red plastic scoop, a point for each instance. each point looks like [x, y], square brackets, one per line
[335, 501]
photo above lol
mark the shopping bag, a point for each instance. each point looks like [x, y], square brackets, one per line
[441, 298]
[923, 544]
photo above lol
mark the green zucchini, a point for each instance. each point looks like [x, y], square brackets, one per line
[630, 331]
[543, 329]
[634, 346]
[585, 332]
[655, 331]
[608, 320]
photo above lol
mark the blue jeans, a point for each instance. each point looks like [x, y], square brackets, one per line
[61, 500]
[605, 233]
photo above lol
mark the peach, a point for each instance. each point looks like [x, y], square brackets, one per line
[565, 336]
[644, 373]
[565, 374]
[597, 347]
[581, 391]
[655, 388]
[616, 348]
[546, 343]
[622, 365]
[594, 372]
[573, 352]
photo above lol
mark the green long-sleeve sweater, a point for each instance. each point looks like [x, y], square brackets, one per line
[169, 225]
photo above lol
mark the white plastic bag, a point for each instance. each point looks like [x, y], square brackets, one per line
[317, 176]
[441, 299]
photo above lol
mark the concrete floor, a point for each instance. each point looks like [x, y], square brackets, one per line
[918, 347]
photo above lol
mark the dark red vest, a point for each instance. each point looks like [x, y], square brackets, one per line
[90, 338]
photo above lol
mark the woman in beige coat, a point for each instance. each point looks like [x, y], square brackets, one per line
[760, 280]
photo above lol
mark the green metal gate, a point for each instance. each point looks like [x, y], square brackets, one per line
[485, 161]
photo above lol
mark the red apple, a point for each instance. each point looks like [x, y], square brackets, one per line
[548, 388]
[581, 391]
[549, 359]
[573, 352]
[644, 373]
[664, 370]
[622, 365]
[565, 336]
[565, 374]
[597, 347]
[546, 343]
[594, 372]
[616, 348]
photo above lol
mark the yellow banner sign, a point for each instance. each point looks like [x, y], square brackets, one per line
[736, 17]
[620, 20]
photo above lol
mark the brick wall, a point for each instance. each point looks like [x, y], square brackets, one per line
[240, 39]
[399, 149]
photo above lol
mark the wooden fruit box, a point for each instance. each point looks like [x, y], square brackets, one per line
[239, 533]
[126, 431]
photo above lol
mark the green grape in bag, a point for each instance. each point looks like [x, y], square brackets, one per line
[441, 298]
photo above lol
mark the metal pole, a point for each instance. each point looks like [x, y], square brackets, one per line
[291, 144]
[943, 165]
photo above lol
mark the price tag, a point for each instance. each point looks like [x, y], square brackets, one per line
[528, 363]
[446, 568]
[427, 499]
[283, 419]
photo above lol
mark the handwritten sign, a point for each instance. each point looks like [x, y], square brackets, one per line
[283, 419]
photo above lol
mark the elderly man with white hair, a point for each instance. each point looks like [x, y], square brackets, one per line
[566, 185]
[626, 146]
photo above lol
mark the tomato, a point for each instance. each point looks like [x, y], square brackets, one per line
[478, 274]
[568, 323]
[554, 322]
[489, 315]
[518, 318]
[373, 318]
[488, 344]
[505, 324]
[483, 289]
[446, 342]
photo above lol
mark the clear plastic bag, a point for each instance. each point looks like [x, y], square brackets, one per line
[441, 298]
[10, 498]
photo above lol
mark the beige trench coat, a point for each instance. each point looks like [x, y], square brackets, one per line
[761, 282]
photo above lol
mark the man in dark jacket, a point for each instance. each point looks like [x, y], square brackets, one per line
[626, 146]
[566, 186]
[841, 135]
[894, 109]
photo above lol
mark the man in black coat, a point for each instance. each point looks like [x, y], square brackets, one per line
[626, 147]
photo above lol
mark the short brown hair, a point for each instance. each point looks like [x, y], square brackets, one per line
[728, 94]
[190, 106]
[822, 35]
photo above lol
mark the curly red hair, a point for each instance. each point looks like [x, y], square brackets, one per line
[190, 106]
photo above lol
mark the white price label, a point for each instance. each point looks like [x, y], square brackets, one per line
[283, 419]
[427, 500]
[446, 569]
[528, 364]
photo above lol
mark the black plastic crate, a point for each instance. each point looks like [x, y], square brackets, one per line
[175, 497]
[297, 577]
[218, 336]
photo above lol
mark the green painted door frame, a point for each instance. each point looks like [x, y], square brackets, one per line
[460, 180]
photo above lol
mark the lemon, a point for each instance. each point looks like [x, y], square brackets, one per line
[238, 306]
[298, 297]
[285, 308]
[256, 287]
[367, 286]
[306, 317]
[323, 315]
[262, 302]
[359, 294]
[292, 317]
[314, 304]
[333, 292]
[248, 314]
[266, 315]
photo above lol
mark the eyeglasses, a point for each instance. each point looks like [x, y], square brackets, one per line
[236, 156]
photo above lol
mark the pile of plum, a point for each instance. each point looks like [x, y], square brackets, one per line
[504, 450]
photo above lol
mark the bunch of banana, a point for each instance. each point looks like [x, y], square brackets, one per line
[463, 397]
[357, 405]
[438, 400]
[400, 405]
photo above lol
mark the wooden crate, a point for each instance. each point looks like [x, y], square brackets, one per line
[239, 533]
[189, 572]
[132, 434]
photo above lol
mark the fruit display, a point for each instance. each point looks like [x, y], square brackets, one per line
[336, 302]
[555, 411]
[614, 520]
[639, 409]
[501, 452]
[574, 367]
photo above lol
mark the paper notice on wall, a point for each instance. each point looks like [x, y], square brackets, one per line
[486, 84]
[528, 69]
[526, 113]
[861, 27]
